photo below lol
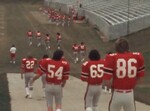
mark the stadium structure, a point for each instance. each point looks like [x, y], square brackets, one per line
[113, 18]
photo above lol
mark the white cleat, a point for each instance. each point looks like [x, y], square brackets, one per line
[77, 59]
[30, 97]
[30, 43]
[39, 45]
[82, 60]
[109, 91]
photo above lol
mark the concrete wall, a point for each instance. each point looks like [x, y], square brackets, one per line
[121, 29]
[98, 21]
[139, 24]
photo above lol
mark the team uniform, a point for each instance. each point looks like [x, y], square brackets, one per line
[63, 20]
[43, 75]
[13, 54]
[27, 66]
[124, 69]
[39, 38]
[75, 49]
[106, 89]
[47, 42]
[59, 38]
[68, 20]
[30, 36]
[92, 73]
[82, 49]
[56, 73]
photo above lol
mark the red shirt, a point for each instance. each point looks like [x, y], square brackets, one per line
[30, 34]
[82, 48]
[58, 37]
[56, 71]
[28, 65]
[38, 34]
[47, 38]
[69, 18]
[92, 71]
[75, 48]
[124, 68]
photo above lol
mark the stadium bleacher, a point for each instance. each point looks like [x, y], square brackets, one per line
[114, 18]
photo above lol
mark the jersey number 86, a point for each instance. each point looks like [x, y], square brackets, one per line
[126, 68]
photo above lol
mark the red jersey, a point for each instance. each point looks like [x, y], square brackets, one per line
[75, 48]
[28, 65]
[82, 47]
[92, 71]
[124, 68]
[69, 18]
[63, 17]
[29, 34]
[58, 37]
[47, 39]
[56, 71]
[38, 34]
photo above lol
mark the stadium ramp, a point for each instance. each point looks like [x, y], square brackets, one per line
[73, 96]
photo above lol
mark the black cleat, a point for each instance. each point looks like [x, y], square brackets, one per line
[26, 96]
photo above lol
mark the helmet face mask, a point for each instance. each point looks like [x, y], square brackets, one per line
[122, 45]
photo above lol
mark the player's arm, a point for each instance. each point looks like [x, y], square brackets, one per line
[22, 70]
[85, 72]
[108, 70]
[63, 83]
[141, 69]
[39, 72]
[107, 83]
[34, 78]
[65, 73]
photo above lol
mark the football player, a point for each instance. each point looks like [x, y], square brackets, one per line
[92, 73]
[125, 69]
[75, 49]
[13, 50]
[82, 49]
[39, 38]
[27, 72]
[57, 73]
[30, 36]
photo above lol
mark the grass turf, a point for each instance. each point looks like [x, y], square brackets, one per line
[4, 94]
[143, 95]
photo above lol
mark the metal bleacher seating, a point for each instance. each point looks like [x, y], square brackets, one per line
[114, 18]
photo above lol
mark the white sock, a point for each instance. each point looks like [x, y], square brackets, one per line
[58, 110]
[89, 109]
[27, 90]
[31, 92]
[105, 88]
